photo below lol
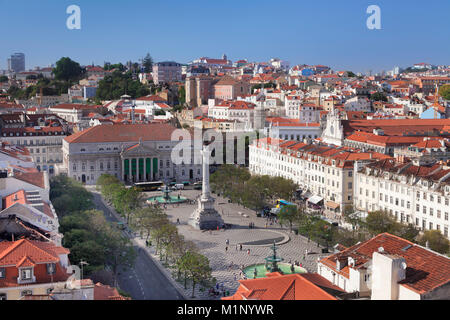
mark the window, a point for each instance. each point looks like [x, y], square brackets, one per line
[424, 210]
[439, 213]
[3, 296]
[51, 268]
[431, 211]
[2, 273]
[25, 274]
[26, 293]
[446, 216]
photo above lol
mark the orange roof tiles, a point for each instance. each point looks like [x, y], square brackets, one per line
[123, 133]
[280, 287]
[426, 270]
[35, 178]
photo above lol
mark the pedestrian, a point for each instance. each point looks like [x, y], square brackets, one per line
[240, 246]
[248, 251]
[301, 265]
[226, 249]
[227, 242]
[303, 257]
[178, 220]
[236, 247]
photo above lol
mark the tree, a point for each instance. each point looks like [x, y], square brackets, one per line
[159, 233]
[378, 96]
[147, 63]
[119, 252]
[170, 235]
[126, 200]
[67, 70]
[351, 74]
[113, 86]
[379, 222]
[289, 214]
[435, 240]
[147, 219]
[181, 95]
[444, 91]
[408, 232]
[197, 268]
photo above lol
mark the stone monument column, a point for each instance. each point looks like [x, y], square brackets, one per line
[206, 217]
[206, 193]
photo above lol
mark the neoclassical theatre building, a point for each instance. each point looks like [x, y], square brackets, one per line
[131, 152]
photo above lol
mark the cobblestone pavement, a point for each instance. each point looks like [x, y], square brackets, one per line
[226, 264]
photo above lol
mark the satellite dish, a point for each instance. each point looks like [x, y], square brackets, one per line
[404, 265]
[380, 249]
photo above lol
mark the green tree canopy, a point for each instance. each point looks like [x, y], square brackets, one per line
[289, 214]
[436, 241]
[197, 268]
[380, 222]
[379, 96]
[68, 70]
[444, 91]
[113, 86]
[147, 63]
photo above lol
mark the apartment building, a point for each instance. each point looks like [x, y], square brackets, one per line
[324, 172]
[41, 134]
[410, 192]
[166, 71]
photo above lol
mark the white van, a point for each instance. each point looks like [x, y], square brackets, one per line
[179, 186]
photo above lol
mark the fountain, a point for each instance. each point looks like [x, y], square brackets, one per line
[273, 259]
[272, 264]
[166, 198]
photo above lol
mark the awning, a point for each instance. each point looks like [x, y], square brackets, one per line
[332, 205]
[307, 194]
[315, 199]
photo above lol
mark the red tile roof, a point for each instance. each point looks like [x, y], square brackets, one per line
[104, 292]
[35, 178]
[426, 270]
[123, 133]
[280, 287]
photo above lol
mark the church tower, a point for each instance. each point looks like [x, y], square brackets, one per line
[334, 131]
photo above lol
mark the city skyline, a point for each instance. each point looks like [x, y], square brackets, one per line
[332, 34]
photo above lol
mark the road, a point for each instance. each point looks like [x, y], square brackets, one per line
[144, 281]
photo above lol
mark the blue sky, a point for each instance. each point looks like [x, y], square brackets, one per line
[326, 32]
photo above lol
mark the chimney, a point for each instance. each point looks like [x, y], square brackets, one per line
[387, 271]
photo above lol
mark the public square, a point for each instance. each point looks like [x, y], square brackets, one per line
[226, 264]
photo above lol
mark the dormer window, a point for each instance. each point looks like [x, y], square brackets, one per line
[26, 274]
[51, 268]
[2, 273]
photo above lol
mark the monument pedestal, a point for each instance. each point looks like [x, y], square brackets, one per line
[206, 217]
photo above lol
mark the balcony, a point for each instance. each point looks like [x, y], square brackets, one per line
[26, 281]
